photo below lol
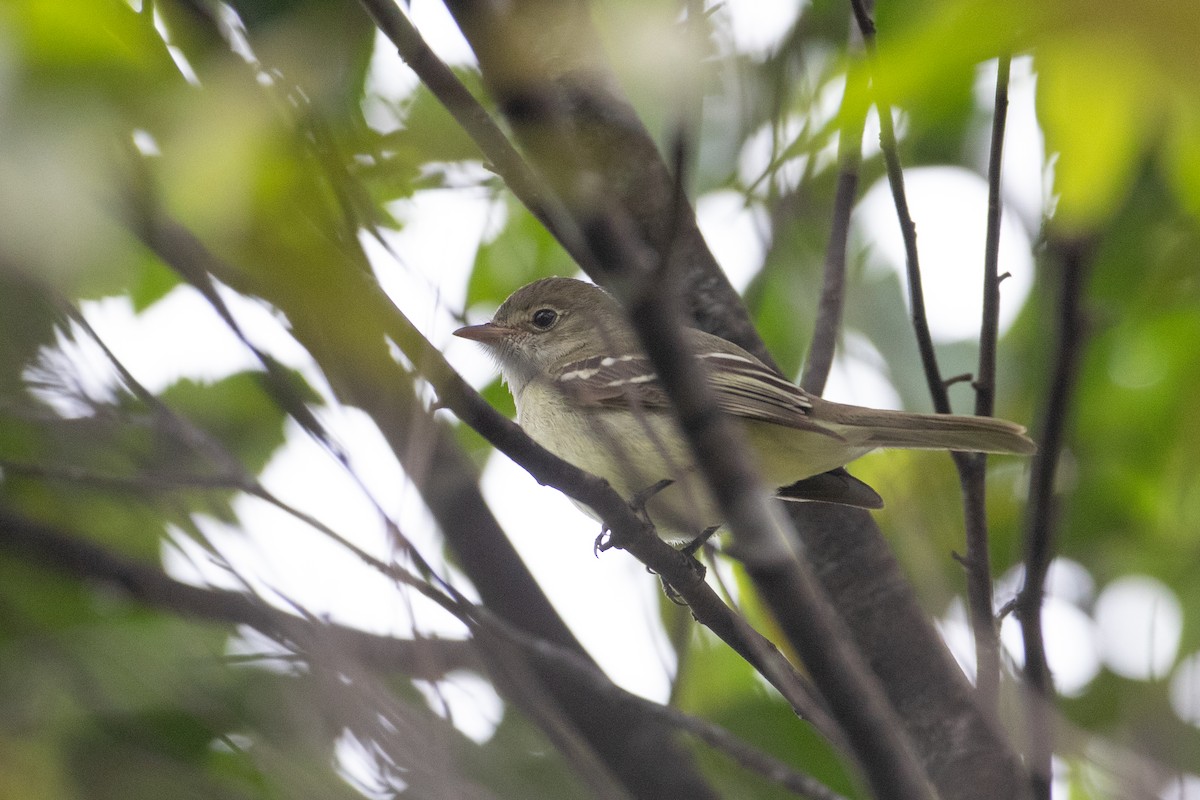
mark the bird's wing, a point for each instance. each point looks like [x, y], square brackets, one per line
[743, 385]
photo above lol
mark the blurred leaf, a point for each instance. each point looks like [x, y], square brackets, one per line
[1086, 80]
[104, 44]
[152, 285]
[236, 412]
[719, 686]
[523, 251]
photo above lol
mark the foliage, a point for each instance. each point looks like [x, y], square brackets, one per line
[224, 152]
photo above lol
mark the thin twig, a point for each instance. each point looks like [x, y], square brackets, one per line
[908, 229]
[833, 284]
[478, 124]
[972, 468]
[985, 376]
[426, 659]
[1043, 507]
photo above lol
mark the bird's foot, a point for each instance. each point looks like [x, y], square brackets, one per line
[638, 504]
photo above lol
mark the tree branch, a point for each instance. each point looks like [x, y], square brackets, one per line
[985, 376]
[1074, 257]
[478, 124]
[363, 373]
[972, 468]
[908, 229]
[75, 557]
[423, 659]
[760, 532]
[556, 90]
[543, 63]
[833, 283]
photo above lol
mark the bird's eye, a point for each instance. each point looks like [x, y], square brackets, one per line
[545, 318]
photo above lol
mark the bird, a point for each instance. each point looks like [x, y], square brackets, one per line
[586, 391]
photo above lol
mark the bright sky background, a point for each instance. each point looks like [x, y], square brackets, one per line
[1132, 626]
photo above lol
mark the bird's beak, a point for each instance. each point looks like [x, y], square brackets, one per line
[488, 333]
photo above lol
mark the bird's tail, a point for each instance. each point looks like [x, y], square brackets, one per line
[937, 431]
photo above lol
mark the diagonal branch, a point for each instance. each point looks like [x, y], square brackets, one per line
[381, 393]
[423, 659]
[363, 372]
[908, 229]
[79, 559]
[478, 124]
[762, 538]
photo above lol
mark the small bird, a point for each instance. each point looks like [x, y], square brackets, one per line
[586, 391]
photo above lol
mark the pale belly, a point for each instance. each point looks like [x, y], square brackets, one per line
[642, 449]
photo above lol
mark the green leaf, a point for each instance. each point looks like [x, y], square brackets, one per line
[236, 412]
[524, 251]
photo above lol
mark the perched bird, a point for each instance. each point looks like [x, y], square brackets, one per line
[586, 391]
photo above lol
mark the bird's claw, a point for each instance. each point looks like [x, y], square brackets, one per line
[638, 504]
[603, 542]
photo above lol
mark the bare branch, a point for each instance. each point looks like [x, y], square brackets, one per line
[478, 124]
[1074, 257]
[80, 559]
[985, 377]
[908, 229]
[423, 659]
[363, 372]
[833, 283]
[972, 469]
[543, 62]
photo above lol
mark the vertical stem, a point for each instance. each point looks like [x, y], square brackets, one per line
[972, 469]
[833, 283]
[985, 379]
[1043, 507]
[908, 229]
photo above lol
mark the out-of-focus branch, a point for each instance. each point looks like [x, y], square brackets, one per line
[74, 556]
[444, 477]
[543, 62]
[478, 124]
[77, 558]
[761, 537]
[1073, 258]
[363, 372]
